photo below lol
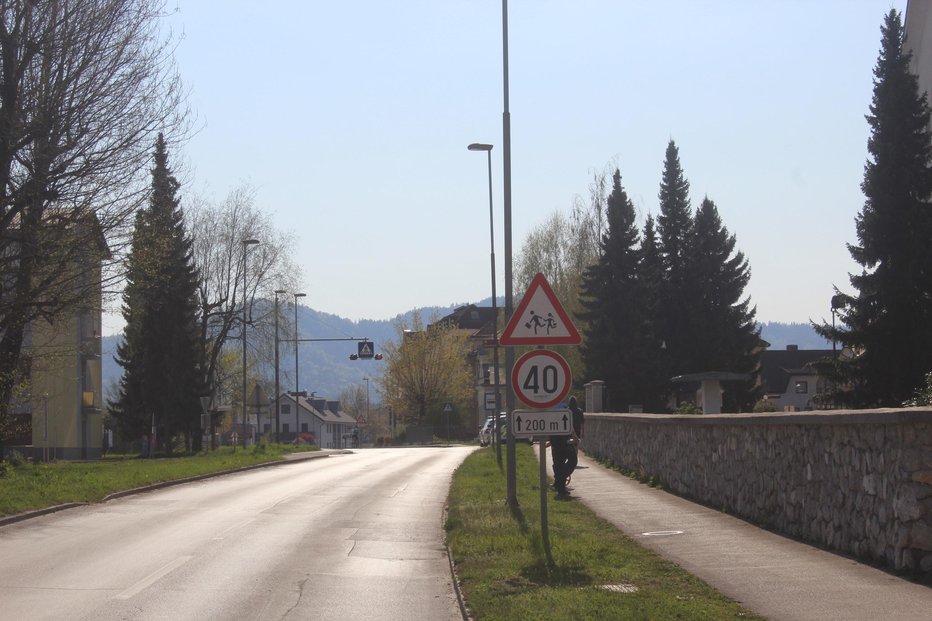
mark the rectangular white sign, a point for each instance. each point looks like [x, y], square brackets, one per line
[527, 423]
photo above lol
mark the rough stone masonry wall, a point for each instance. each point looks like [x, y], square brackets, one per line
[859, 482]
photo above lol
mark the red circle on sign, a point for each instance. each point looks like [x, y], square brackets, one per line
[541, 378]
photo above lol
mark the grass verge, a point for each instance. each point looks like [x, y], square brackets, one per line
[505, 575]
[39, 485]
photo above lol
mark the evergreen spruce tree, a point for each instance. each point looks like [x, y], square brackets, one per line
[722, 327]
[611, 345]
[674, 225]
[655, 365]
[888, 322]
[161, 355]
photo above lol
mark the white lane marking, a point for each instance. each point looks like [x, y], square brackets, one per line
[153, 577]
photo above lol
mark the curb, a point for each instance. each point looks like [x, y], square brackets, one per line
[26, 515]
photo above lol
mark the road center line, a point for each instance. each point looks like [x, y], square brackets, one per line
[153, 577]
[229, 530]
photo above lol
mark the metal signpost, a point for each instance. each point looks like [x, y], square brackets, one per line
[540, 378]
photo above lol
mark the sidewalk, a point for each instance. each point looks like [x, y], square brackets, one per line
[771, 575]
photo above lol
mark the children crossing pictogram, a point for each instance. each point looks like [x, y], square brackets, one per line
[540, 319]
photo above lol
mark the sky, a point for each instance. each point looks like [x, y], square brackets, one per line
[351, 121]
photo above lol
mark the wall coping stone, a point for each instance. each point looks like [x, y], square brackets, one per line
[880, 416]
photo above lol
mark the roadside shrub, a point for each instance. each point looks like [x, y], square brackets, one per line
[15, 459]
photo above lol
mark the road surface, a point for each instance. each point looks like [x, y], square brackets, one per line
[352, 536]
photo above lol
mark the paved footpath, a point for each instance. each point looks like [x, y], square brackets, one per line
[771, 575]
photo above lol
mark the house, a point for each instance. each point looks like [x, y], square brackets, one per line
[480, 324]
[790, 379]
[313, 420]
[61, 416]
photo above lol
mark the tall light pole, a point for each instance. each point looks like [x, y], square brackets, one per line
[368, 421]
[246, 244]
[278, 390]
[297, 410]
[478, 146]
[510, 470]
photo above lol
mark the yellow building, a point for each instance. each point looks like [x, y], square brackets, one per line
[64, 367]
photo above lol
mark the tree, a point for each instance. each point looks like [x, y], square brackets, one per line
[612, 346]
[161, 354]
[425, 368]
[674, 225]
[722, 332]
[85, 86]
[655, 364]
[888, 321]
[561, 249]
[218, 231]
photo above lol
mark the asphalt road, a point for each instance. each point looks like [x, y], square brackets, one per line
[354, 536]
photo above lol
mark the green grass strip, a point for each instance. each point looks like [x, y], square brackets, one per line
[39, 485]
[505, 575]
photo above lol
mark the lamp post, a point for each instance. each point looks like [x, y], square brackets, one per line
[297, 409]
[246, 244]
[477, 146]
[510, 470]
[278, 390]
[368, 422]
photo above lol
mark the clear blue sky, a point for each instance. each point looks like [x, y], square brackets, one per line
[352, 120]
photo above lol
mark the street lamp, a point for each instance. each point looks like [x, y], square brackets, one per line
[510, 470]
[297, 410]
[368, 422]
[278, 390]
[246, 244]
[478, 146]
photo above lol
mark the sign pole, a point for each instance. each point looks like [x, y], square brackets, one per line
[544, 522]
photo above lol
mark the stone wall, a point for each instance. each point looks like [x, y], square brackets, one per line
[859, 482]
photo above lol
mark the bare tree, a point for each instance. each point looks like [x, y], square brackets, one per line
[85, 87]
[218, 232]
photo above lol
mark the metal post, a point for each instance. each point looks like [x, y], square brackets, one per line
[246, 244]
[510, 470]
[278, 389]
[498, 399]
[297, 409]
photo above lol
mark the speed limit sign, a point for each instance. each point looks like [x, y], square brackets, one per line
[541, 378]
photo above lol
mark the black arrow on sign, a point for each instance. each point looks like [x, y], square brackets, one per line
[564, 421]
[518, 423]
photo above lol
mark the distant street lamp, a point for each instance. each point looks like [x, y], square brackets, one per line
[297, 410]
[477, 146]
[368, 422]
[246, 244]
[278, 390]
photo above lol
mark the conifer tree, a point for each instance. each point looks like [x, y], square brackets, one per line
[723, 331]
[888, 321]
[161, 354]
[655, 365]
[674, 225]
[611, 345]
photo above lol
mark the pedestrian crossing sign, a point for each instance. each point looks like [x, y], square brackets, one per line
[365, 349]
[540, 319]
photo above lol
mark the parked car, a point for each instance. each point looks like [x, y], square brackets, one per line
[487, 431]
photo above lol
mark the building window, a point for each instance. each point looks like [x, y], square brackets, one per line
[802, 388]
[266, 428]
[286, 409]
[285, 428]
[303, 427]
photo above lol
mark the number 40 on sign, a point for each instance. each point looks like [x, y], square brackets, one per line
[541, 378]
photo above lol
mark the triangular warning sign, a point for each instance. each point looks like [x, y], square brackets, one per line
[540, 319]
[364, 349]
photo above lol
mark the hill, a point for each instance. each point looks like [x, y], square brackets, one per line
[325, 367]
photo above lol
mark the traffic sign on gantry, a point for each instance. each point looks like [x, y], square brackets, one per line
[540, 319]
